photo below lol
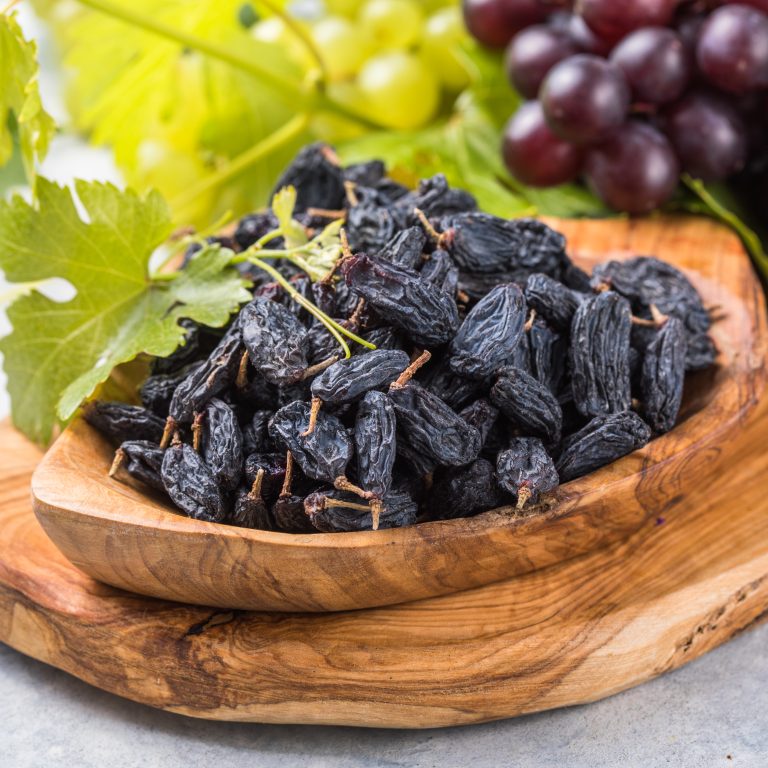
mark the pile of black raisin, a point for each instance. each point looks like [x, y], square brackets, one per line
[501, 369]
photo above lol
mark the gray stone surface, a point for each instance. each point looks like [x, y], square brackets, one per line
[711, 713]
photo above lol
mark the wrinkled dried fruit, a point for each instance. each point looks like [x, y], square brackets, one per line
[599, 355]
[120, 422]
[463, 492]
[324, 453]
[276, 341]
[427, 314]
[489, 334]
[433, 428]
[191, 484]
[375, 443]
[552, 300]
[526, 470]
[222, 443]
[528, 403]
[663, 375]
[349, 379]
[604, 440]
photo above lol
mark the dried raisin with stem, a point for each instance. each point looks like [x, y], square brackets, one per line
[482, 243]
[526, 470]
[529, 403]
[317, 176]
[217, 373]
[222, 443]
[250, 509]
[602, 441]
[432, 427]
[276, 341]
[323, 453]
[375, 443]
[349, 379]
[120, 421]
[647, 281]
[599, 355]
[663, 375]
[272, 467]
[336, 511]
[489, 333]
[552, 300]
[427, 314]
[405, 248]
[142, 460]
[191, 484]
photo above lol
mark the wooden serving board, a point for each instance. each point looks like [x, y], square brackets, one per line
[576, 632]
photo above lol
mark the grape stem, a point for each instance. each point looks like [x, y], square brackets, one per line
[300, 35]
[282, 136]
[285, 89]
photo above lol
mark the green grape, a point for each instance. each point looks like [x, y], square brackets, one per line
[276, 32]
[343, 46]
[334, 128]
[398, 90]
[393, 23]
[347, 8]
[443, 33]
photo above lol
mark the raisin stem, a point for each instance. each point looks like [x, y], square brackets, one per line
[342, 483]
[255, 492]
[327, 213]
[197, 431]
[428, 228]
[117, 462]
[523, 497]
[170, 428]
[349, 189]
[411, 370]
[314, 410]
[377, 508]
[529, 322]
[313, 370]
[286, 489]
[328, 502]
[241, 382]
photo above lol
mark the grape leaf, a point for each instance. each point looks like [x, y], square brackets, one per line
[20, 105]
[176, 117]
[58, 352]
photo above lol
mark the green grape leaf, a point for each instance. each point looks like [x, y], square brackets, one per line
[22, 118]
[58, 352]
[176, 117]
[283, 204]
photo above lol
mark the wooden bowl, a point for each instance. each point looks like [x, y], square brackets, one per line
[126, 538]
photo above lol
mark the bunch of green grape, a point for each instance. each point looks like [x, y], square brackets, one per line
[395, 61]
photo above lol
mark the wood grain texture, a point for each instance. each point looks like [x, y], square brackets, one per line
[124, 537]
[576, 632]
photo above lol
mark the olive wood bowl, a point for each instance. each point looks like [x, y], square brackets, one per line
[125, 537]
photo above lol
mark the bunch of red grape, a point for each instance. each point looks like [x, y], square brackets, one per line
[630, 93]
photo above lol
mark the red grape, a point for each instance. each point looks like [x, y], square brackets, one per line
[655, 63]
[584, 98]
[495, 22]
[583, 37]
[635, 170]
[708, 134]
[732, 51]
[532, 53]
[534, 154]
[612, 19]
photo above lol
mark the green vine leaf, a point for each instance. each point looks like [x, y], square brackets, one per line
[58, 352]
[23, 121]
